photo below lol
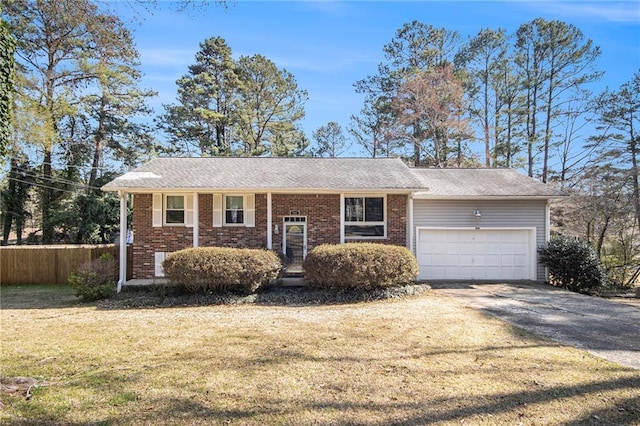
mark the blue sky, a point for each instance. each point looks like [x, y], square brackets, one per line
[329, 45]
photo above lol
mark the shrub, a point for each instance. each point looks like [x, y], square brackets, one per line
[96, 279]
[360, 265]
[222, 269]
[573, 264]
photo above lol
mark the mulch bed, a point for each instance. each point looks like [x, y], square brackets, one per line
[168, 296]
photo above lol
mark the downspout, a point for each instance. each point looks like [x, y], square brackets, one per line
[269, 223]
[341, 218]
[547, 234]
[122, 276]
[196, 221]
[411, 236]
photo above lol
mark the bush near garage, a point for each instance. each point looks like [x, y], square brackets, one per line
[362, 266]
[573, 264]
[220, 269]
[96, 279]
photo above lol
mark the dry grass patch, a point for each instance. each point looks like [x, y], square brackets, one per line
[424, 359]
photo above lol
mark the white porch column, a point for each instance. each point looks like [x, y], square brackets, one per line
[547, 221]
[269, 220]
[122, 276]
[411, 234]
[341, 218]
[196, 221]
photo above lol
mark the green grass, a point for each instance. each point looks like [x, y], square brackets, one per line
[419, 360]
[37, 296]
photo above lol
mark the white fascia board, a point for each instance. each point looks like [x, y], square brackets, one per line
[261, 190]
[418, 196]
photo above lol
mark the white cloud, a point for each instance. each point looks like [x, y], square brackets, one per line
[628, 11]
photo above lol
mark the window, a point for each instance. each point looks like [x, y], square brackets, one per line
[174, 209]
[234, 209]
[364, 217]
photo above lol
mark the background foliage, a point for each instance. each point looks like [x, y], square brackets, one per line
[74, 114]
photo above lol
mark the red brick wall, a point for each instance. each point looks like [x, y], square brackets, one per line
[323, 226]
[322, 212]
[148, 240]
[232, 236]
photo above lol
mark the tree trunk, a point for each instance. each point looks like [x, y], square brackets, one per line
[487, 138]
[547, 130]
[47, 199]
[98, 145]
[10, 203]
[633, 148]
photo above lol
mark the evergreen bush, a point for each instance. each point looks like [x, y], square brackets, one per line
[573, 264]
[96, 279]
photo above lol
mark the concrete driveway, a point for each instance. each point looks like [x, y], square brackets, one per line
[603, 327]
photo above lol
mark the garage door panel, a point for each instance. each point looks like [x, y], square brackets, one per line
[474, 254]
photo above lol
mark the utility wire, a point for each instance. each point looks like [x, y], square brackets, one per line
[40, 185]
[54, 179]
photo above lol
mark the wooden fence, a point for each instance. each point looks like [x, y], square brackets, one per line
[50, 264]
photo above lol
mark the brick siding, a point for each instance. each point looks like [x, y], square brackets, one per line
[321, 210]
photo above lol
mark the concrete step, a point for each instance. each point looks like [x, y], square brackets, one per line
[292, 281]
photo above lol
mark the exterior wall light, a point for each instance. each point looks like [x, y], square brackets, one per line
[477, 213]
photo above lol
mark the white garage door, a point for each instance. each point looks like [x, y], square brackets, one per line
[478, 254]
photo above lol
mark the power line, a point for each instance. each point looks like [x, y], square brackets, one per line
[54, 179]
[40, 185]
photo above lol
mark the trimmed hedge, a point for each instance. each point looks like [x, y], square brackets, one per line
[221, 269]
[360, 266]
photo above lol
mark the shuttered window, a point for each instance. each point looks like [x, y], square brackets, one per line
[172, 210]
[234, 210]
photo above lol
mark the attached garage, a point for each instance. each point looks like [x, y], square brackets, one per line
[476, 254]
[479, 224]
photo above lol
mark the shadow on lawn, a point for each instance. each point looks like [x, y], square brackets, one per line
[51, 296]
[332, 406]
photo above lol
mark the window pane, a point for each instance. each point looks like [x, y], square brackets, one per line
[234, 216]
[353, 209]
[175, 202]
[234, 203]
[175, 216]
[364, 231]
[374, 209]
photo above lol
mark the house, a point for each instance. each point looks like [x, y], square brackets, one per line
[471, 224]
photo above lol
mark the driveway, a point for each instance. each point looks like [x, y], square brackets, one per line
[603, 327]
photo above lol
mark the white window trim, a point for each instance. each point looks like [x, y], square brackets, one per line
[224, 210]
[164, 210]
[346, 223]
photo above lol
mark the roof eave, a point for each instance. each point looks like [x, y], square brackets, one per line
[138, 190]
[485, 197]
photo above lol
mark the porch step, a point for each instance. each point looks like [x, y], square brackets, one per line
[289, 281]
[294, 271]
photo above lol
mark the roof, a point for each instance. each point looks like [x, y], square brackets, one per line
[268, 173]
[481, 183]
[304, 174]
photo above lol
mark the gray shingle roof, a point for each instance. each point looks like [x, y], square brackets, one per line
[325, 174]
[443, 183]
[229, 173]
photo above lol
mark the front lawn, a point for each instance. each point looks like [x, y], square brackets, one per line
[423, 359]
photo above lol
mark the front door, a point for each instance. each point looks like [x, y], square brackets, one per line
[294, 243]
